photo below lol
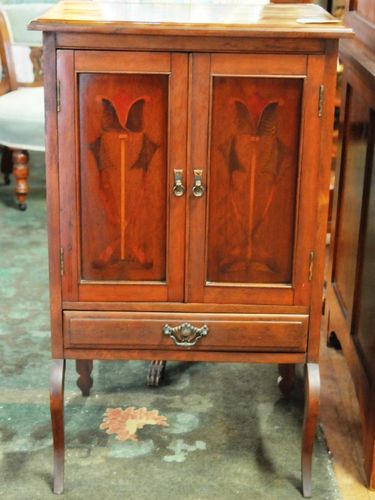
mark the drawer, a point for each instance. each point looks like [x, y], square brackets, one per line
[176, 331]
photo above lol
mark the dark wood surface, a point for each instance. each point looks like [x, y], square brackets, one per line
[231, 270]
[351, 273]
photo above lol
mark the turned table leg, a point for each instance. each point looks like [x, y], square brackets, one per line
[57, 417]
[155, 372]
[21, 174]
[312, 391]
[286, 378]
[84, 368]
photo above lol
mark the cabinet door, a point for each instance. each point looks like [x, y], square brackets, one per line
[255, 134]
[122, 231]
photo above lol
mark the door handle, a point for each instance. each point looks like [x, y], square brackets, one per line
[198, 188]
[178, 187]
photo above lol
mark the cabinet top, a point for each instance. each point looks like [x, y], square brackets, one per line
[255, 18]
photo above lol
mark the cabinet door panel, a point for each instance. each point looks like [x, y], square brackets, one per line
[122, 219]
[253, 179]
[123, 158]
[260, 180]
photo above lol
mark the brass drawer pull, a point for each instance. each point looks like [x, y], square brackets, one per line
[178, 187]
[185, 335]
[198, 188]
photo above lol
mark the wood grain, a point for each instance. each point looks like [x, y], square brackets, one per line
[177, 19]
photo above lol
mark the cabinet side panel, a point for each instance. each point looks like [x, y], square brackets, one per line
[352, 178]
[364, 314]
[52, 180]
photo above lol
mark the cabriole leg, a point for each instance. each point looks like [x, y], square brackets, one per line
[57, 417]
[312, 392]
[84, 368]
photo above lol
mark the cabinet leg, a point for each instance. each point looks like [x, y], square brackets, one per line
[21, 174]
[84, 368]
[312, 392]
[286, 377]
[155, 372]
[57, 417]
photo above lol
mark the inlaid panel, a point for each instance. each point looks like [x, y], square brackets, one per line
[253, 179]
[351, 189]
[123, 167]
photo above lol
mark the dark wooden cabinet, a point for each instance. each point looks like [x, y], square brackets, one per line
[351, 275]
[188, 188]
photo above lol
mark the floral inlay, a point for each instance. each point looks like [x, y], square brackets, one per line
[125, 423]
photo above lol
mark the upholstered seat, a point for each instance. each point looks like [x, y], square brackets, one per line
[21, 93]
[22, 119]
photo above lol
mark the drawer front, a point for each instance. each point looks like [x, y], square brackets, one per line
[176, 331]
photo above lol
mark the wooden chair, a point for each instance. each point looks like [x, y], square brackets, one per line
[21, 105]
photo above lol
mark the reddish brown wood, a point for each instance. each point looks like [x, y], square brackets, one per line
[351, 276]
[57, 417]
[185, 307]
[146, 105]
[312, 391]
[84, 368]
[53, 195]
[21, 174]
[226, 332]
[185, 43]
[186, 355]
[322, 197]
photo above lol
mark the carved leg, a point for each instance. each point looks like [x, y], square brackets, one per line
[155, 373]
[285, 380]
[6, 164]
[21, 173]
[84, 381]
[57, 417]
[312, 391]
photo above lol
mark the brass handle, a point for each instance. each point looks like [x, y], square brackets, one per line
[198, 188]
[178, 187]
[185, 335]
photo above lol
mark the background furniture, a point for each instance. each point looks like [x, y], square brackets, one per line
[351, 274]
[21, 94]
[188, 162]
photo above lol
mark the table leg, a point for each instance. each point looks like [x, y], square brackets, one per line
[57, 417]
[84, 368]
[155, 372]
[286, 378]
[312, 392]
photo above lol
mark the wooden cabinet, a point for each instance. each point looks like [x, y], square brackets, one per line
[351, 276]
[188, 187]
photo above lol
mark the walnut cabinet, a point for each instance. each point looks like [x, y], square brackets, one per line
[188, 171]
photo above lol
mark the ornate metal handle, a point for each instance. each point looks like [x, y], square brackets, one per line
[198, 188]
[185, 335]
[178, 188]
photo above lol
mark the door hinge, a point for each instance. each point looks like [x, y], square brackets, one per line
[58, 96]
[321, 100]
[62, 261]
[311, 265]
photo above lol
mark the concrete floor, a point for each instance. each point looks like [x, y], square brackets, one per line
[230, 434]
